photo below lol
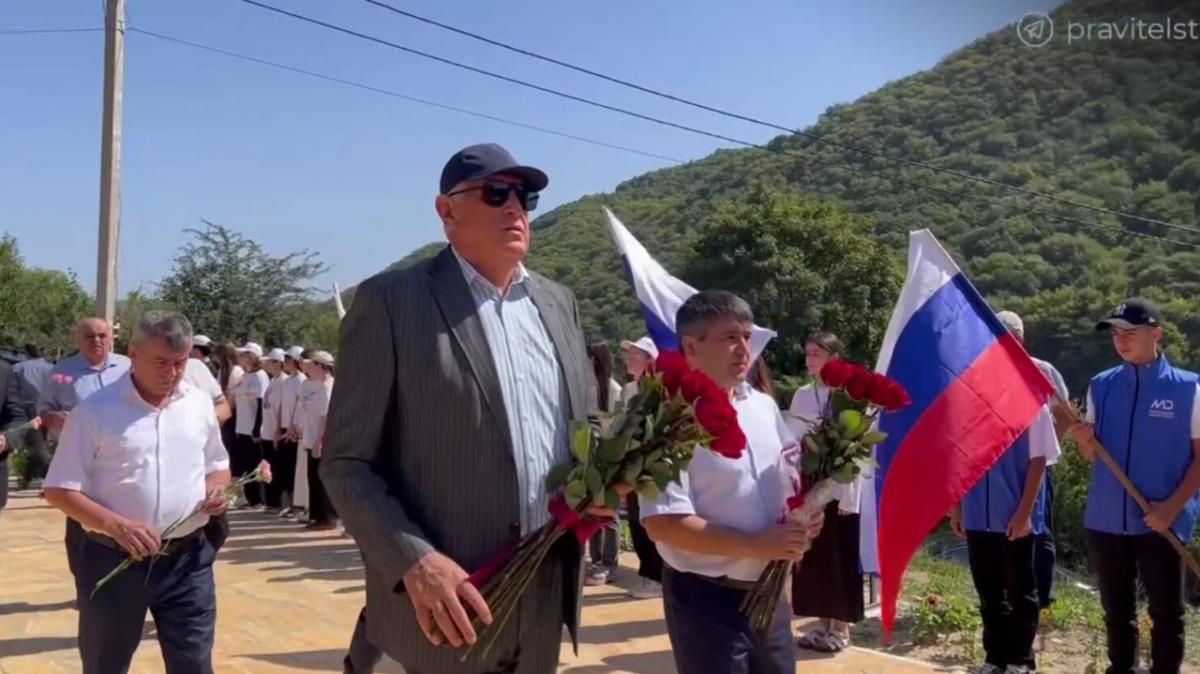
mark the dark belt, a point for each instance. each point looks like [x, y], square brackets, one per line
[109, 542]
[723, 581]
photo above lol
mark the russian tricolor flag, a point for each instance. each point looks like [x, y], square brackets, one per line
[974, 391]
[660, 294]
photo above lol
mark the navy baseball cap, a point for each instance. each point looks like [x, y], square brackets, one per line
[489, 159]
[1135, 312]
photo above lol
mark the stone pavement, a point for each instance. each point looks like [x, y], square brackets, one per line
[287, 601]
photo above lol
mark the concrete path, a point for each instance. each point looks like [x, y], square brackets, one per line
[287, 602]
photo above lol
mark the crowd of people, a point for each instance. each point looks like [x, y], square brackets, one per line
[459, 379]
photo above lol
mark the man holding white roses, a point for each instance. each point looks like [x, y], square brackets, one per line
[718, 527]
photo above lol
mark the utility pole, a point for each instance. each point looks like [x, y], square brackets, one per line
[110, 160]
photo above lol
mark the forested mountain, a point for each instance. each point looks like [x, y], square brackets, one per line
[1111, 124]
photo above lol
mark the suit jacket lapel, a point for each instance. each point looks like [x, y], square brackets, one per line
[558, 323]
[458, 308]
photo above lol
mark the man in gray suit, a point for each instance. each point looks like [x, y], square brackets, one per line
[460, 378]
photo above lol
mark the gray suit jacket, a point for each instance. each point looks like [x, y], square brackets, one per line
[418, 454]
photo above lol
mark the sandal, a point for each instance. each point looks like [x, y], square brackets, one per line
[831, 643]
[811, 638]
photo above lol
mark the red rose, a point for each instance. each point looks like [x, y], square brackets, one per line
[888, 394]
[859, 383]
[836, 373]
[795, 502]
[719, 420]
[691, 386]
[673, 367]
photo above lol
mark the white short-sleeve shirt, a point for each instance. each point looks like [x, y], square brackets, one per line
[316, 407]
[271, 404]
[141, 462]
[1043, 441]
[749, 493]
[810, 405]
[249, 390]
[197, 374]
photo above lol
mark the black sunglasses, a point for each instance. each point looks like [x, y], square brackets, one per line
[496, 194]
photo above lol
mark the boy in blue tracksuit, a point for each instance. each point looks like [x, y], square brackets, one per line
[1146, 413]
[1000, 518]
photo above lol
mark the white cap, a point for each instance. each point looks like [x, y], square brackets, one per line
[1013, 322]
[645, 344]
[252, 349]
[294, 352]
[323, 358]
[201, 340]
[275, 355]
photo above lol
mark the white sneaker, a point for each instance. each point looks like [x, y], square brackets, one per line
[646, 589]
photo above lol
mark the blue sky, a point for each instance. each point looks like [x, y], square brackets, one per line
[295, 162]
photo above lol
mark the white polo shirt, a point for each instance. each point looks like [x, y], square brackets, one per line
[748, 494]
[141, 462]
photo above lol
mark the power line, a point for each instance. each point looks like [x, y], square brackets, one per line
[656, 120]
[963, 175]
[49, 31]
[396, 94]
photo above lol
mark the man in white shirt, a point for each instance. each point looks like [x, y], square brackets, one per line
[134, 458]
[719, 526]
[73, 380]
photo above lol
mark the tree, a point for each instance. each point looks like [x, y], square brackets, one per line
[38, 305]
[804, 266]
[232, 289]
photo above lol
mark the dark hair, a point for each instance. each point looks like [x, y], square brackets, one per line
[700, 309]
[601, 359]
[829, 342]
[226, 359]
[760, 377]
[33, 351]
[205, 349]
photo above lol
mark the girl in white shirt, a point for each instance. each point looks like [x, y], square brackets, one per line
[828, 584]
[322, 516]
[247, 395]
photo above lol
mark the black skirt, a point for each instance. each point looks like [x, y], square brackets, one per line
[828, 583]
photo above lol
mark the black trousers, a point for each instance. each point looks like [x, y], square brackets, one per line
[650, 563]
[243, 459]
[363, 655]
[73, 541]
[283, 467]
[1119, 562]
[178, 591]
[1045, 550]
[320, 508]
[272, 491]
[709, 634]
[1008, 601]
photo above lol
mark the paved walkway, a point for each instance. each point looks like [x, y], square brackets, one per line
[287, 602]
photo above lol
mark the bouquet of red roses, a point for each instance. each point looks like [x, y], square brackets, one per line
[645, 449]
[834, 453]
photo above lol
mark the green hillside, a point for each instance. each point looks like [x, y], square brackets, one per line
[1112, 124]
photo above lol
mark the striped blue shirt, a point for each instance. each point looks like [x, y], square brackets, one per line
[74, 379]
[531, 381]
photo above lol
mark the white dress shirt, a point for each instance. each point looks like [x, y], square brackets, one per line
[748, 493]
[246, 394]
[810, 405]
[141, 462]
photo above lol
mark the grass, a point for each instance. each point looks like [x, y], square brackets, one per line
[939, 621]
